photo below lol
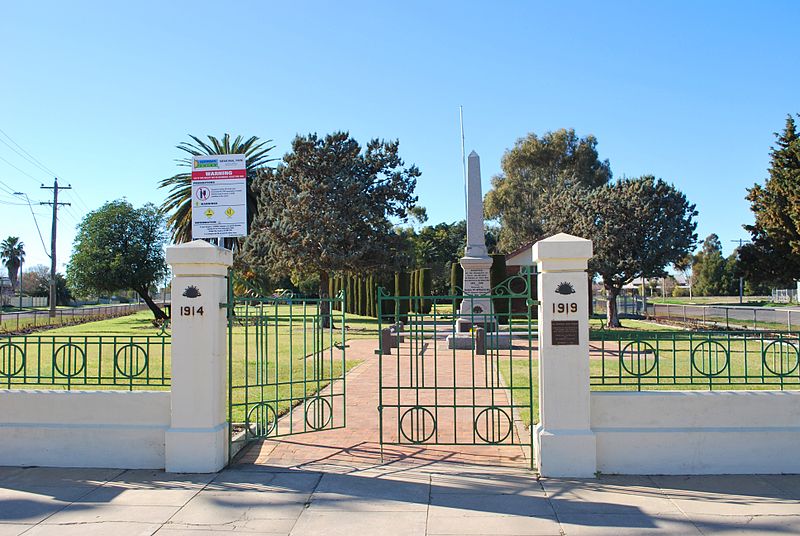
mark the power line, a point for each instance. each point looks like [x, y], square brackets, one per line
[21, 170]
[82, 202]
[35, 221]
[29, 160]
[77, 198]
[6, 187]
[38, 163]
[35, 160]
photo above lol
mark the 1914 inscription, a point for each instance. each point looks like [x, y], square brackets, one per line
[564, 332]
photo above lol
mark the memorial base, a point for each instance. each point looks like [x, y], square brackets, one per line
[498, 340]
[465, 326]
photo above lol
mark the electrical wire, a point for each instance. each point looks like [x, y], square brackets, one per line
[30, 160]
[39, 164]
[80, 200]
[21, 171]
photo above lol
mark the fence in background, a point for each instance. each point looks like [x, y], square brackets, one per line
[85, 362]
[626, 305]
[695, 360]
[737, 317]
[786, 295]
[707, 316]
[14, 322]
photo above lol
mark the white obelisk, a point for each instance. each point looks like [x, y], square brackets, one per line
[476, 307]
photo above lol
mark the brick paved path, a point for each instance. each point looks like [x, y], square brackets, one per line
[357, 446]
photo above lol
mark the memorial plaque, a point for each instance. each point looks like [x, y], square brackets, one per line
[564, 332]
[477, 282]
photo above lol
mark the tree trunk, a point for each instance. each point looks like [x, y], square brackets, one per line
[325, 319]
[157, 312]
[612, 319]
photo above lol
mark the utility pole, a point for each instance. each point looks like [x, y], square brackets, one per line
[741, 279]
[55, 205]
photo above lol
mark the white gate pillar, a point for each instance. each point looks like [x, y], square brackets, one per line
[565, 443]
[197, 440]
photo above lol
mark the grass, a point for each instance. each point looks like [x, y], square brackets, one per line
[40, 320]
[516, 372]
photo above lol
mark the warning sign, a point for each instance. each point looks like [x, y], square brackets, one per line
[219, 196]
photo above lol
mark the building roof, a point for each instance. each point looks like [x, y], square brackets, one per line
[522, 256]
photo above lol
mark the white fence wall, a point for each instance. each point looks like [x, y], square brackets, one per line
[697, 432]
[84, 428]
[30, 301]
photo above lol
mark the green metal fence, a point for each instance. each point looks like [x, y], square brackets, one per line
[285, 352]
[464, 392]
[695, 360]
[83, 362]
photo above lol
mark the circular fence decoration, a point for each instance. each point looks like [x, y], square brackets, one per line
[319, 413]
[515, 286]
[261, 420]
[710, 358]
[130, 360]
[12, 360]
[781, 358]
[638, 358]
[69, 360]
[493, 425]
[417, 424]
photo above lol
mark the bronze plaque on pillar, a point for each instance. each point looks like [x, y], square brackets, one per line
[564, 332]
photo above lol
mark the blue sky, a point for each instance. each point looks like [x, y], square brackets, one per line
[101, 92]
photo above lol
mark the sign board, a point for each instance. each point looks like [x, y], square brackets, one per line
[219, 196]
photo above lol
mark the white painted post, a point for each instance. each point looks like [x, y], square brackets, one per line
[197, 440]
[565, 443]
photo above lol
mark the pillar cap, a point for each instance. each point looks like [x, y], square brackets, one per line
[562, 246]
[199, 252]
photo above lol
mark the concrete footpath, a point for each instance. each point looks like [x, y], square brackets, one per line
[410, 500]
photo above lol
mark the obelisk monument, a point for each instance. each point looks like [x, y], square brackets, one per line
[476, 307]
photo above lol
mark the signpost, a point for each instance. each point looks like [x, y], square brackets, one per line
[219, 196]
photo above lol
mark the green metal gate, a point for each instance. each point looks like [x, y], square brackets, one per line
[284, 352]
[477, 390]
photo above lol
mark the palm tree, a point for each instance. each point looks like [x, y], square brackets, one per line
[178, 204]
[12, 253]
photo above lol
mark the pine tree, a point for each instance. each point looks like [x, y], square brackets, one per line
[774, 254]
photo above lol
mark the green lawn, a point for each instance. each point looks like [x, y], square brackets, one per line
[14, 323]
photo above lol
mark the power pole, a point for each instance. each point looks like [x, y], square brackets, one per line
[741, 241]
[55, 205]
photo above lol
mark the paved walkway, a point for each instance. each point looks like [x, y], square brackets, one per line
[470, 500]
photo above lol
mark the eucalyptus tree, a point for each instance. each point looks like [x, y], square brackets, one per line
[534, 170]
[178, 204]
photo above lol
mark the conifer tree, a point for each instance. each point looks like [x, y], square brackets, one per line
[774, 253]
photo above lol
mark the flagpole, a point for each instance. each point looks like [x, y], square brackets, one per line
[463, 158]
